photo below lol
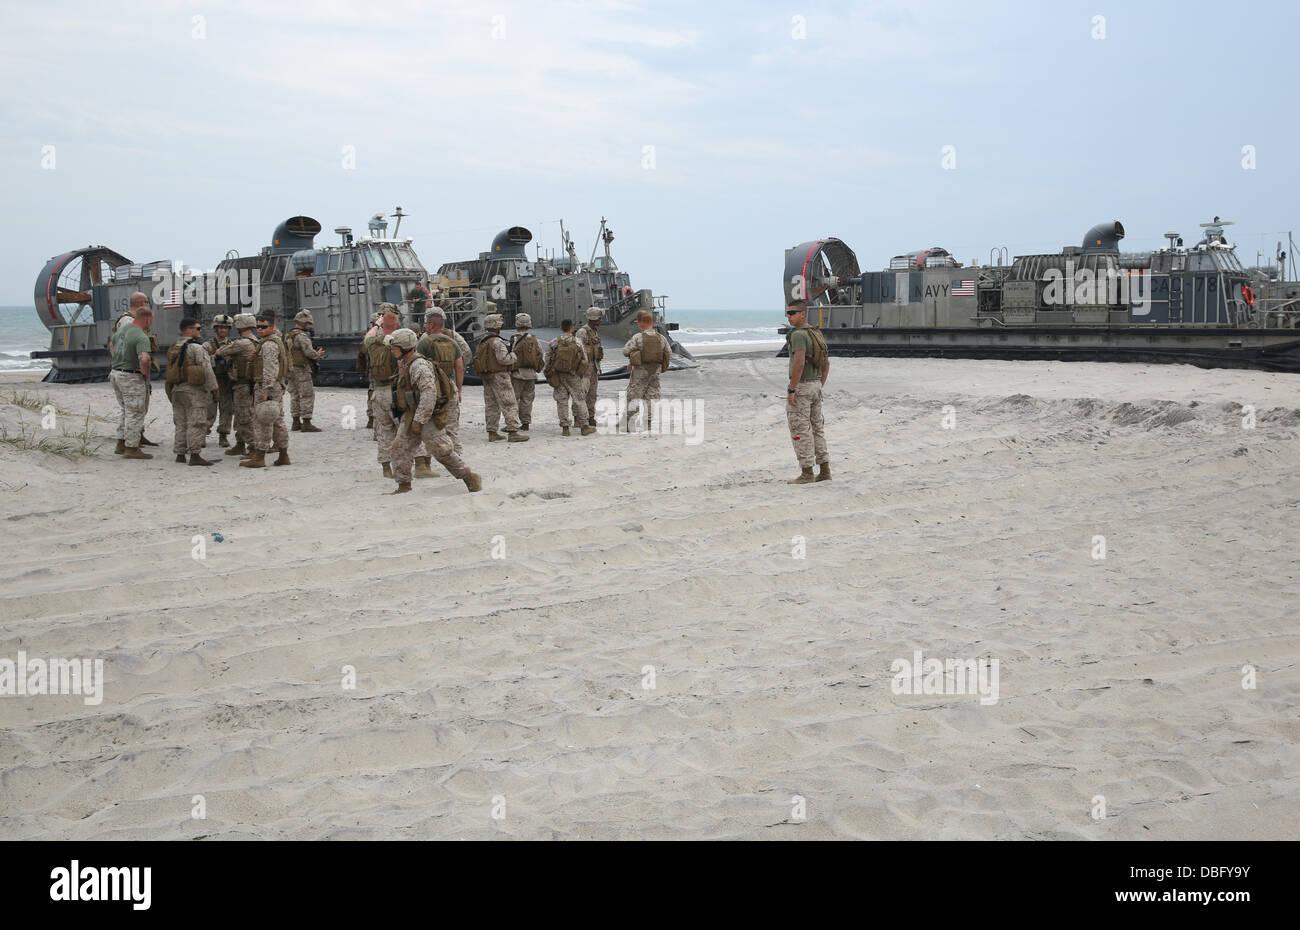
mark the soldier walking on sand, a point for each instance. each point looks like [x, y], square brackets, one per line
[224, 405]
[131, 365]
[810, 363]
[565, 362]
[492, 363]
[528, 361]
[648, 353]
[442, 349]
[270, 369]
[589, 338]
[192, 388]
[303, 356]
[416, 395]
[383, 373]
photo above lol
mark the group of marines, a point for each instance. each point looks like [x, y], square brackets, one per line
[416, 384]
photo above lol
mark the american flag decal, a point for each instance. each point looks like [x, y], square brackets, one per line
[963, 288]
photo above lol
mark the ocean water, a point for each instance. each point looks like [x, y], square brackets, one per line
[21, 332]
[726, 327]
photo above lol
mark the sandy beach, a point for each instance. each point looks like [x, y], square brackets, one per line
[626, 636]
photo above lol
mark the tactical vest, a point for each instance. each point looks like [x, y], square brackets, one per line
[406, 397]
[528, 352]
[298, 358]
[591, 339]
[383, 367]
[242, 365]
[178, 371]
[440, 349]
[220, 366]
[485, 360]
[259, 363]
[567, 357]
[652, 349]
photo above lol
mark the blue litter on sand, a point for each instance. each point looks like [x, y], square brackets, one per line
[217, 537]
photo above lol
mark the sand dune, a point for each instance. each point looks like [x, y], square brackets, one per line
[516, 685]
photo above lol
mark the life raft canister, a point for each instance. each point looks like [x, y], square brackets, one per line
[1247, 295]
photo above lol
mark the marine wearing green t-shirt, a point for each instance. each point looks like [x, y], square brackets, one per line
[129, 342]
[799, 339]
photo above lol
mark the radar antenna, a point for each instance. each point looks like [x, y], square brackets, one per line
[399, 214]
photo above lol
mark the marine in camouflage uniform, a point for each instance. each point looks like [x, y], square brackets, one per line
[809, 367]
[492, 363]
[647, 352]
[434, 331]
[417, 395]
[224, 405]
[570, 393]
[269, 431]
[190, 402]
[302, 390]
[139, 300]
[528, 360]
[131, 363]
[239, 354]
[589, 338]
[383, 375]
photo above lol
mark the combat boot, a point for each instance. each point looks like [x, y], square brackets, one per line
[256, 460]
[524, 427]
[388, 470]
[825, 473]
[370, 421]
[180, 458]
[146, 441]
[196, 459]
[422, 469]
[297, 425]
[224, 441]
[237, 449]
[588, 430]
[515, 437]
[805, 477]
[564, 431]
[473, 482]
[133, 452]
[402, 487]
[307, 427]
[121, 447]
[494, 436]
[283, 458]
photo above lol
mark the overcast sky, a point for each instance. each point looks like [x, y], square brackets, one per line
[183, 130]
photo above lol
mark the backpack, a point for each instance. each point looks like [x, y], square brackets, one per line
[817, 355]
[528, 352]
[485, 360]
[177, 371]
[567, 358]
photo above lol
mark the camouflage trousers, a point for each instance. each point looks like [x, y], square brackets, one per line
[806, 424]
[589, 386]
[570, 394]
[452, 430]
[132, 393]
[269, 431]
[405, 447]
[302, 393]
[499, 401]
[525, 389]
[643, 387]
[224, 404]
[244, 414]
[190, 417]
[381, 409]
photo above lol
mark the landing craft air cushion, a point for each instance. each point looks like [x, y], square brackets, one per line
[79, 294]
[1197, 305]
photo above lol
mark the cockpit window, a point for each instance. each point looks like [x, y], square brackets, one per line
[334, 261]
[390, 257]
[405, 257]
[322, 259]
[351, 261]
[375, 258]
